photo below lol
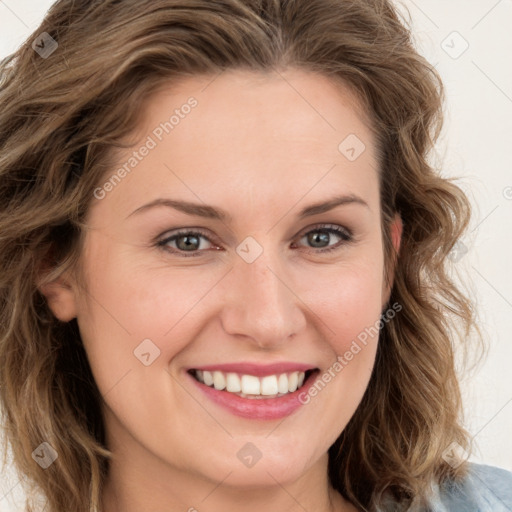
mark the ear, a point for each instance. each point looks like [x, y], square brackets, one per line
[396, 228]
[61, 298]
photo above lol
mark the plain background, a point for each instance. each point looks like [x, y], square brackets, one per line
[470, 43]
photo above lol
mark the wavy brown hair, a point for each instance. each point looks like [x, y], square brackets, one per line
[62, 116]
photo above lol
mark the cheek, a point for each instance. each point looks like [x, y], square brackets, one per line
[127, 303]
[350, 308]
[348, 300]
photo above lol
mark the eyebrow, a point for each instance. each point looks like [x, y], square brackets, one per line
[210, 212]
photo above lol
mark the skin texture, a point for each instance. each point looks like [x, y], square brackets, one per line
[261, 147]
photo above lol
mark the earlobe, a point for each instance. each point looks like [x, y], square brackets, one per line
[396, 229]
[396, 232]
[61, 299]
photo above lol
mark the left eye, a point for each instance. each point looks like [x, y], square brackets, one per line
[322, 234]
[190, 241]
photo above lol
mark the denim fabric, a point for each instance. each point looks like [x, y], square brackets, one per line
[486, 489]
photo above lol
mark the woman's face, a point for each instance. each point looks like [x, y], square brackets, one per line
[251, 291]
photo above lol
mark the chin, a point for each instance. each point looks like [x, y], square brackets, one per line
[263, 475]
[259, 462]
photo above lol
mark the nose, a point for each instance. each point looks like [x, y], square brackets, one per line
[261, 304]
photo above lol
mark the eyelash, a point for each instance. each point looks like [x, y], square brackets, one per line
[343, 233]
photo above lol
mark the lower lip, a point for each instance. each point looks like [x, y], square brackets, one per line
[257, 408]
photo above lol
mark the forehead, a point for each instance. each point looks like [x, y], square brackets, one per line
[254, 133]
[294, 104]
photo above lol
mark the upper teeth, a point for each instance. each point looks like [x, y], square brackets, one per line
[250, 384]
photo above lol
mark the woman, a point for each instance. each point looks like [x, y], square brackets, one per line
[223, 263]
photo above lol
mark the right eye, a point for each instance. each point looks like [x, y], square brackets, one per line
[184, 241]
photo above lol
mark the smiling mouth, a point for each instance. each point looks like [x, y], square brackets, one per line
[251, 386]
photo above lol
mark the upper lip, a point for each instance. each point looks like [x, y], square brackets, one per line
[257, 369]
